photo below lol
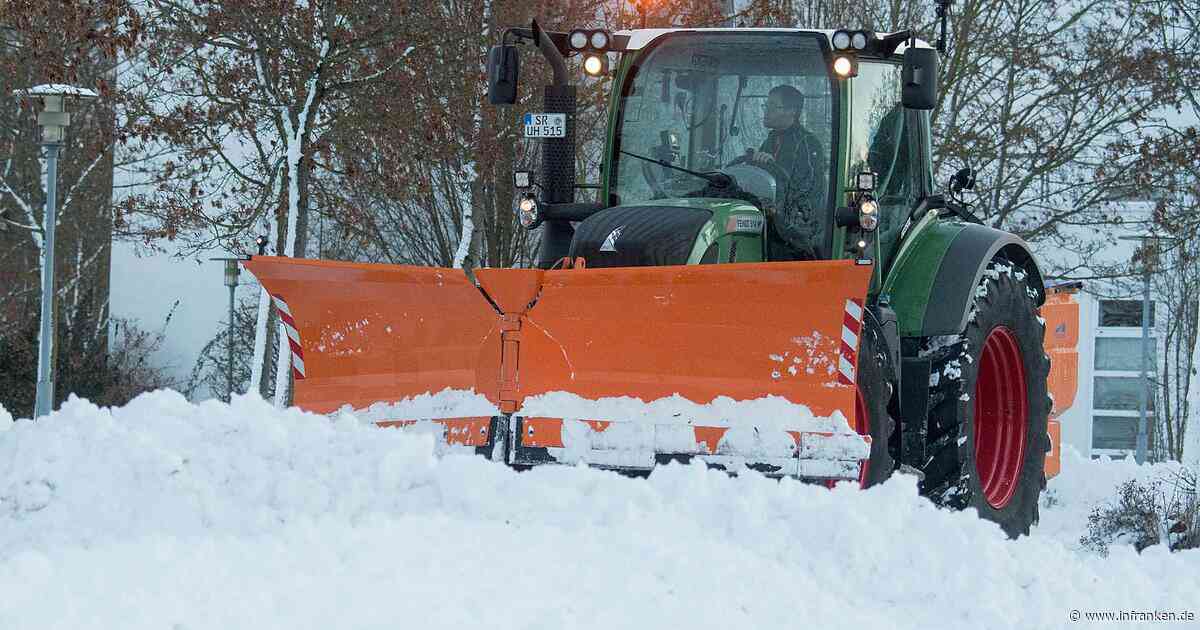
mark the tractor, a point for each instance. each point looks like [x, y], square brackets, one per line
[768, 278]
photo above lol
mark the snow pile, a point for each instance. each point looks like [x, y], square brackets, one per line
[163, 514]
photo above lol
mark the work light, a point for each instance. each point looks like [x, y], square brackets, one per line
[599, 41]
[522, 179]
[858, 40]
[841, 40]
[578, 39]
[865, 181]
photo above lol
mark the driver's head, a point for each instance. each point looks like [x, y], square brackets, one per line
[783, 107]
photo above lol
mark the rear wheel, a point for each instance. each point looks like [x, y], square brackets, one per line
[874, 392]
[987, 435]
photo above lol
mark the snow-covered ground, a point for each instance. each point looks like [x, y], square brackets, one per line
[169, 515]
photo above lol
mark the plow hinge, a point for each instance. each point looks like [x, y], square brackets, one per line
[510, 342]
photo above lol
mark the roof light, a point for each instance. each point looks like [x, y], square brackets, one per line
[858, 40]
[841, 40]
[595, 65]
[599, 40]
[844, 67]
[578, 39]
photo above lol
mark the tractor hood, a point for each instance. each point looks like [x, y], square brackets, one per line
[639, 236]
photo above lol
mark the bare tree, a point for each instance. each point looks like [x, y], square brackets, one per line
[254, 91]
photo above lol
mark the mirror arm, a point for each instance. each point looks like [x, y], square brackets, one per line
[570, 211]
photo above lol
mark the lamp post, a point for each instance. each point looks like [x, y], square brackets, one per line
[1143, 435]
[231, 280]
[54, 120]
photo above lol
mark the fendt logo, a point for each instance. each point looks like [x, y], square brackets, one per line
[610, 243]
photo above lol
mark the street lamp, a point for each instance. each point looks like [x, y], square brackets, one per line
[1143, 437]
[54, 120]
[231, 280]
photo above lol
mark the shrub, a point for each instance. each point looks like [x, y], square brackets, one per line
[1144, 513]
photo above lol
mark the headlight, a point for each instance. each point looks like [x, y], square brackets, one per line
[527, 212]
[600, 40]
[868, 214]
[844, 67]
[858, 40]
[595, 65]
[841, 40]
[578, 39]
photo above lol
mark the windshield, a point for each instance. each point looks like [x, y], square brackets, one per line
[756, 106]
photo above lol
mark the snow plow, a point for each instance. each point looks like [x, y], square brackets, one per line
[766, 279]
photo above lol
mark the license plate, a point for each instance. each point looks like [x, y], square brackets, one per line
[545, 125]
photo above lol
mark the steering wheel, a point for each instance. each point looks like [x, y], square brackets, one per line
[782, 178]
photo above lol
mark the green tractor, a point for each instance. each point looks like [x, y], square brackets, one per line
[767, 279]
[759, 145]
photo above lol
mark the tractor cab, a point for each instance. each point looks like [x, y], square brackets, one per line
[739, 145]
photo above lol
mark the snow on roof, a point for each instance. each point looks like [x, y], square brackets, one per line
[58, 89]
[640, 38]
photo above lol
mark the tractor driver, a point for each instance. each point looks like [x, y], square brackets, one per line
[797, 226]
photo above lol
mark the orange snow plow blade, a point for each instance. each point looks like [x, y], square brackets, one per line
[366, 334]
[1061, 312]
[743, 331]
[371, 333]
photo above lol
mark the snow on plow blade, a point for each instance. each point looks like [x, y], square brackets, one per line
[559, 355]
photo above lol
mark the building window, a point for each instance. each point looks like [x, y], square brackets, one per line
[1123, 354]
[1114, 432]
[1123, 313]
[1119, 392]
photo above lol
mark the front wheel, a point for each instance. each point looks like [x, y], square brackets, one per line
[987, 440]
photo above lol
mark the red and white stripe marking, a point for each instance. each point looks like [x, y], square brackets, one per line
[851, 329]
[293, 333]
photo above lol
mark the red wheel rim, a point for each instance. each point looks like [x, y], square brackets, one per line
[1001, 417]
[862, 426]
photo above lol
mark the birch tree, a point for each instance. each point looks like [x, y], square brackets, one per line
[255, 91]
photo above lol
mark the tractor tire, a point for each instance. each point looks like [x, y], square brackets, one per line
[874, 393]
[987, 438]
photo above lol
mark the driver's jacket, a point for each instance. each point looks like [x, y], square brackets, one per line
[801, 221]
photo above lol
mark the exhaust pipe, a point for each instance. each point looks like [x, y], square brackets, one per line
[558, 154]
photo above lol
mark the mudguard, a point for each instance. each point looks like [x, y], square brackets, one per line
[931, 283]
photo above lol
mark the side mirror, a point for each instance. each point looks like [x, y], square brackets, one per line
[503, 68]
[964, 179]
[920, 78]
